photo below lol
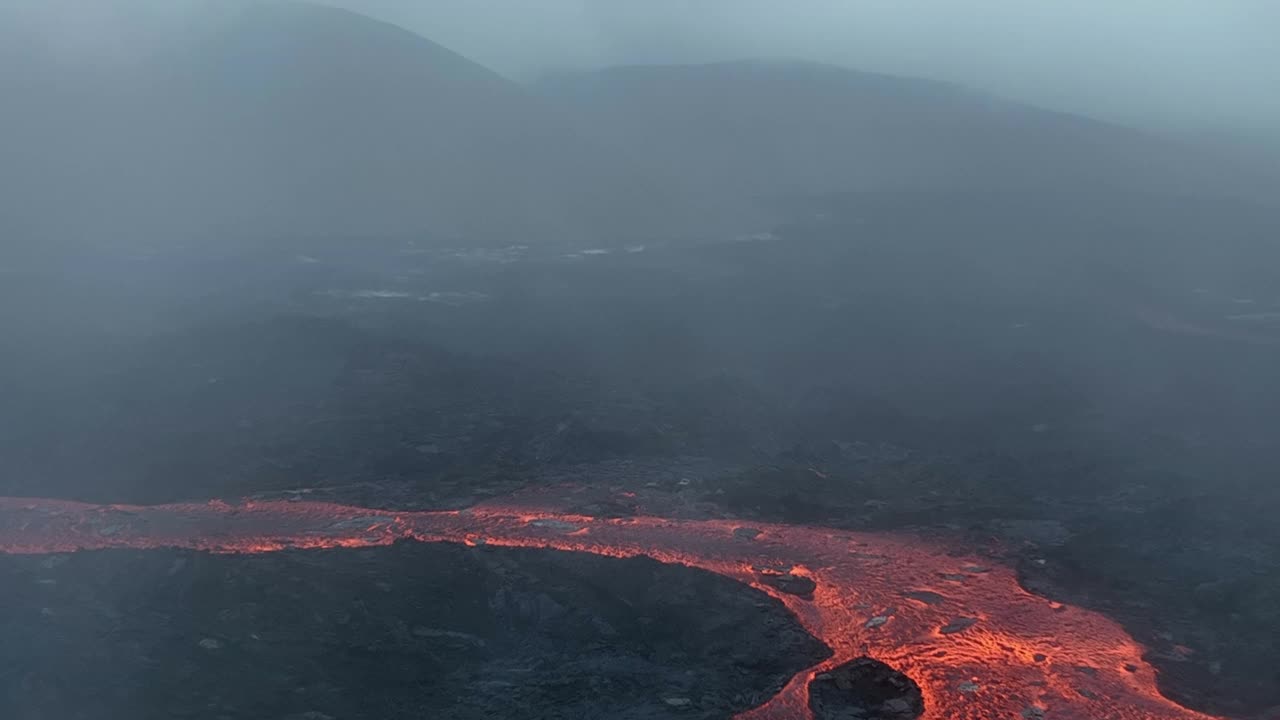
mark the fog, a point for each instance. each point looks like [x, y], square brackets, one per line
[1175, 65]
[639, 360]
[1171, 64]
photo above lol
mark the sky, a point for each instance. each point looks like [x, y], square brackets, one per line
[1173, 64]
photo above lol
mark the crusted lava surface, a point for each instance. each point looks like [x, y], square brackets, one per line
[978, 646]
[409, 630]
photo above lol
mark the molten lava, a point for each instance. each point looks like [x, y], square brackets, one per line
[978, 645]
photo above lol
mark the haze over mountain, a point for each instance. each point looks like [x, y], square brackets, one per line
[251, 119]
[781, 127]
[281, 119]
[1179, 65]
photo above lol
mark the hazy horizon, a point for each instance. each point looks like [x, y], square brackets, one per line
[1180, 66]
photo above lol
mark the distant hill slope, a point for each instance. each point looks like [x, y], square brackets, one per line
[768, 128]
[257, 119]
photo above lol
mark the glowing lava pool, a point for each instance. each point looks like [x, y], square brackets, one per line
[979, 646]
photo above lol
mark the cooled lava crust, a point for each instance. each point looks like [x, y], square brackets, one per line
[978, 646]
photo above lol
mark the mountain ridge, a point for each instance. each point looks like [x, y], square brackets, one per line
[291, 119]
[794, 127]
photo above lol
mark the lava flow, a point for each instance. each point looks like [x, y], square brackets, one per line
[978, 645]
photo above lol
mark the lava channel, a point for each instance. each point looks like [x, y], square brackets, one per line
[978, 645]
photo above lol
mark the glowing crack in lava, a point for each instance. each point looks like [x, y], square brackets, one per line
[979, 646]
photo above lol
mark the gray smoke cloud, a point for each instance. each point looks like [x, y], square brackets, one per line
[1174, 64]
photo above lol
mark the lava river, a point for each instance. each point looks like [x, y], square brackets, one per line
[978, 645]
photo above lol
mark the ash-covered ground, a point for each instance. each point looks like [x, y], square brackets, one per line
[1095, 393]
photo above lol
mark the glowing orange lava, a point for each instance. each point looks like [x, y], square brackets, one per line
[979, 646]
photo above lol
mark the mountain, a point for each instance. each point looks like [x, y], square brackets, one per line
[243, 119]
[762, 128]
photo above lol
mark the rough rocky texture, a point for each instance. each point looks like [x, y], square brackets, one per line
[1112, 433]
[408, 631]
[865, 689]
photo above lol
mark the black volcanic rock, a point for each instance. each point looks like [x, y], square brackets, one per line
[408, 631]
[865, 689]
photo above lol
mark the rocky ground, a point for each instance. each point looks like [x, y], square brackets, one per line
[865, 690]
[1112, 434]
[399, 632]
